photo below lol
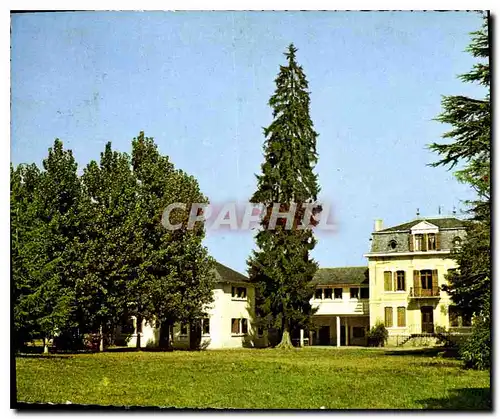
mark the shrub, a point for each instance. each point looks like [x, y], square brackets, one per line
[91, 341]
[476, 351]
[377, 336]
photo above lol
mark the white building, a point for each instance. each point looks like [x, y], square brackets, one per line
[342, 301]
[229, 321]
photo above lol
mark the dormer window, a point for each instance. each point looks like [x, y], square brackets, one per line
[419, 240]
[424, 236]
[431, 241]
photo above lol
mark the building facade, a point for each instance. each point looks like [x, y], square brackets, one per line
[342, 302]
[407, 267]
[229, 320]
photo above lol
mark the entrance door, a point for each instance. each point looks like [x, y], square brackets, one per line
[342, 336]
[324, 335]
[427, 319]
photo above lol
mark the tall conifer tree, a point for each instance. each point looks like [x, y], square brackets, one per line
[281, 267]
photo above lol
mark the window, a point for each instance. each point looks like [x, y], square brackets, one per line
[184, 329]
[318, 293]
[388, 317]
[431, 241]
[235, 326]
[426, 279]
[393, 244]
[260, 331]
[387, 281]
[239, 326]
[401, 316]
[364, 293]
[239, 292]
[400, 281]
[419, 239]
[354, 293]
[358, 332]
[328, 293]
[205, 326]
[337, 293]
[457, 242]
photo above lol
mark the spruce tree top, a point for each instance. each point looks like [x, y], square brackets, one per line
[290, 146]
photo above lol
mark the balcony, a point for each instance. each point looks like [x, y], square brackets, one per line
[424, 292]
[341, 307]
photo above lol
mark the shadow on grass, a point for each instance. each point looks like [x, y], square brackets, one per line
[428, 352]
[461, 399]
[41, 356]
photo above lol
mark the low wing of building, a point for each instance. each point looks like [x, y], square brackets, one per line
[229, 321]
[342, 301]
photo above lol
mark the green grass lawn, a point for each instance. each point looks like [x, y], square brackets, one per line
[308, 378]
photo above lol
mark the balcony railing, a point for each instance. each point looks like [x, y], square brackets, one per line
[424, 292]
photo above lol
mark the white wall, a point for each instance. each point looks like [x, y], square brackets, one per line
[343, 306]
[220, 312]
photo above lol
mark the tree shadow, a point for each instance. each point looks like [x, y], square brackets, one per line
[44, 356]
[425, 352]
[461, 399]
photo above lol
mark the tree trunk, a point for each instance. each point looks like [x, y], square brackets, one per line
[165, 329]
[45, 346]
[286, 342]
[195, 335]
[138, 331]
[101, 339]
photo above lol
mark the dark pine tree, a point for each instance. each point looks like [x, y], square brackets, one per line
[470, 145]
[281, 267]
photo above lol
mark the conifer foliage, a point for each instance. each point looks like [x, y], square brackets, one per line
[470, 118]
[281, 267]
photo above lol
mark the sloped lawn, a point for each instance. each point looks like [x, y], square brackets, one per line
[309, 378]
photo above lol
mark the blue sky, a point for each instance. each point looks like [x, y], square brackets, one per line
[199, 83]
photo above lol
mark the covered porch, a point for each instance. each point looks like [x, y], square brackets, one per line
[340, 330]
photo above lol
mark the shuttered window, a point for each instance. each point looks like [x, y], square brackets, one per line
[401, 316]
[388, 317]
[426, 279]
[400, 281]
[418, 242]
[387, 281]
[431, 242]
[435, 279]
[424, 243]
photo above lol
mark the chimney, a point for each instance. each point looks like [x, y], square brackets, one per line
[378, 225]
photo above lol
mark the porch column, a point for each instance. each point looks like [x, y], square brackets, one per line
[338, 331]
[301, 338]
[347, 331]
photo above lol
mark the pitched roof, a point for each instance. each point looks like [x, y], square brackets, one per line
[228, 275]
[445, 222]
[351, 275]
